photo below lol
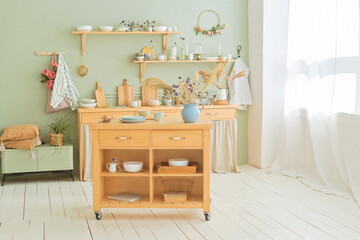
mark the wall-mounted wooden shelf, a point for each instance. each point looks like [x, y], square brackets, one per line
[180, 61]
[165, 37]
[143, 64]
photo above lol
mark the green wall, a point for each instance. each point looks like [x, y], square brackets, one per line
[45, 25]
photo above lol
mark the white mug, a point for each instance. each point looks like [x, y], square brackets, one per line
[169, 29]
[191, 56]
[133, 104]
[161, 57]
[168, 102]
[112, 167]
[150, 29]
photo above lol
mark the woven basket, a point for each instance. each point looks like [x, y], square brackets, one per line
[56, 139]
[177, 185]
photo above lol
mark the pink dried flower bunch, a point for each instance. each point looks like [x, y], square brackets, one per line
[48, 76]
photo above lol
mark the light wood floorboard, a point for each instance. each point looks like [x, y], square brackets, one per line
[248, 205]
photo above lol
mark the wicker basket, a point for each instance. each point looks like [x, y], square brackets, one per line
[177, 189]
[56, 139]
[177, 185]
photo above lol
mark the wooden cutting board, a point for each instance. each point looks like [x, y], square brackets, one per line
[125, 94]
[147, 94]
[100, 96]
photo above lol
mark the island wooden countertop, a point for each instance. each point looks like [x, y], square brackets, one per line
[157, 108]
[171, 123]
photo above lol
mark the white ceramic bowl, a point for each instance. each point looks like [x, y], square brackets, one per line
[88, 105]
[178, 162]
[152, 102]
[212, 58]
[84, 28]
[160, 28]
[106, 28]
[121, 29]
[133, 166]
[140, 58]
[88, 100]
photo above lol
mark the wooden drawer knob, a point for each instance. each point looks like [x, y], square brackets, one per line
[212, 113]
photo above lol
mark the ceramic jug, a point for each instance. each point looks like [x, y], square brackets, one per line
[112, 167]
[191, 113]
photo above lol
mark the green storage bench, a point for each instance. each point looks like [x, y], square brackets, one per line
[47, 158]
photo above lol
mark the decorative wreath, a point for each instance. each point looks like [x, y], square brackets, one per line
[214, 30]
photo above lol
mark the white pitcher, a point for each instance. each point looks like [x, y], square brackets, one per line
[112, 167]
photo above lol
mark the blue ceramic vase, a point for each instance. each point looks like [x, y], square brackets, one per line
[191, 113]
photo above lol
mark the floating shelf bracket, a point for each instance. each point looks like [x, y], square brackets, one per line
[83, 44]
[142, 71]
[165, 40]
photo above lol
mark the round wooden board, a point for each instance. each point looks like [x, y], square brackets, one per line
[221, 102]
[148, 50]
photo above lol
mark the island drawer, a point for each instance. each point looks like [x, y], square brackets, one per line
[177, 138]
[124, 138]
[219, 114]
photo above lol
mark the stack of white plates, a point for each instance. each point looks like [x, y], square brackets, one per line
[132, 119]
[212, 58]
[84, 28]
[88, 103]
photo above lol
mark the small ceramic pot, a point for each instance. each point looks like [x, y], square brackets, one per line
[222, 94]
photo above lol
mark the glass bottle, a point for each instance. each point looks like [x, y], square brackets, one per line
[173, 52]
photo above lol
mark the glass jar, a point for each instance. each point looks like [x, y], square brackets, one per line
[198, 48]
[181, 55]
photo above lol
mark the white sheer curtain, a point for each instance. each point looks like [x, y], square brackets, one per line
[320, 143]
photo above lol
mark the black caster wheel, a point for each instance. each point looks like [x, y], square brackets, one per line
[207, 216]
[98, 215]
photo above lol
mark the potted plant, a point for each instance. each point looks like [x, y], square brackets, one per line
[59, 127]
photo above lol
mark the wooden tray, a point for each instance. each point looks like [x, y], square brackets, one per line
[175, 197]
[164, 168]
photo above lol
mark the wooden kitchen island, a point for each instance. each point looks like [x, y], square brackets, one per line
[87, 116]
[152, 143]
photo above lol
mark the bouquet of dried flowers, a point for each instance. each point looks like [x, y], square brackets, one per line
[48, 75]
[222, 74]
[187, 91]
[137, 26]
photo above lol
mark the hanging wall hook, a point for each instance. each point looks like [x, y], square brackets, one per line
[238, 51]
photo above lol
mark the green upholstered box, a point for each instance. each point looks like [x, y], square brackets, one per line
[47, 158]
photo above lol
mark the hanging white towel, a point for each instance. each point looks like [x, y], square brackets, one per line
[64, 86]
[239, 88]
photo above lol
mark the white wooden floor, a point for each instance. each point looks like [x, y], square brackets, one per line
[249, 205]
